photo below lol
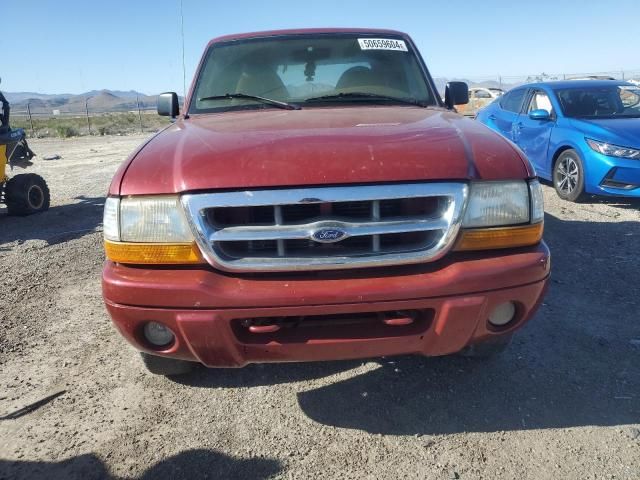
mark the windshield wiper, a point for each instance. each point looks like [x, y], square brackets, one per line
[365, 96]
[270, 101]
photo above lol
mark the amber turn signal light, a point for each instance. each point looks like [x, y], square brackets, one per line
[153, 253]
[503, 237]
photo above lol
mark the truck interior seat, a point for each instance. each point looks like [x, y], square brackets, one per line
[355, 77]
[263, 82]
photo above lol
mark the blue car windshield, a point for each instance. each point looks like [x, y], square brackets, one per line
[614, 101]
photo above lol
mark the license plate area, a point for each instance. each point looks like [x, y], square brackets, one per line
[345, 326]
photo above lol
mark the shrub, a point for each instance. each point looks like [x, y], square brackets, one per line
[66, 131]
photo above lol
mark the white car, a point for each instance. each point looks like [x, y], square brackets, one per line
[479, 97]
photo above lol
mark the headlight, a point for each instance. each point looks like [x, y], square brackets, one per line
[613, 150]
[153, 219]
[149, 229]
[494, 204]
[537, 201]
[502, 215]
[111, 219]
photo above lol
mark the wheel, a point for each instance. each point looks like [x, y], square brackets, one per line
[26, 194]
[166, 366]
[487, 349]
[568, 176]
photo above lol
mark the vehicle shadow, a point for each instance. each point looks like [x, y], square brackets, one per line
[573, 365]
[258, 375]
[617, 202]
[190, 464]
[57, 225]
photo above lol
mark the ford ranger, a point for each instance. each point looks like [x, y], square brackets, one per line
[315, 199]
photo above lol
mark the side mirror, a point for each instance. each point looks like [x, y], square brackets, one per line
[168, 105]
[539, 114]
[456, 93]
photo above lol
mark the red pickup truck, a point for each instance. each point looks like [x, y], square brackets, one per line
[316, 199]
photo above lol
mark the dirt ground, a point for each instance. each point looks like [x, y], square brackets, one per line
[563, 402]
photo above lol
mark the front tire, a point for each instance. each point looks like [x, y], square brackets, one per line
[488, 349]
[166, 366]
[26, 194]
[568, 176]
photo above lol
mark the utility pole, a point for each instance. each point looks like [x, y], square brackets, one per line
[139, 114]
[86, 109]
[33, 133]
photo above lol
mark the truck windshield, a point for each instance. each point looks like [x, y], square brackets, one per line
[614, 101]
[310, 71]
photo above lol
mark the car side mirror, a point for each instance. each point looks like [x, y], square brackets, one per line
[168, 105]
[456, 93]
[539, 114]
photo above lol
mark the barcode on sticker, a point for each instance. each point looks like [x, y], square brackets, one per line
[382, 44]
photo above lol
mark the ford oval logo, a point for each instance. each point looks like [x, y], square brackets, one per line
[328, 235]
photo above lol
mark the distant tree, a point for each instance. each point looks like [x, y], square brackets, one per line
[543, 77]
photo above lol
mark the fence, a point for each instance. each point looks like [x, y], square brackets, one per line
[77, 116]
[507, 82]
[83, 119]
[42, 123]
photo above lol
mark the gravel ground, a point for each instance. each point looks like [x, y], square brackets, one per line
[562, 402]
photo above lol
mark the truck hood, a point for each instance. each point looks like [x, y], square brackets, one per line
[317, 146]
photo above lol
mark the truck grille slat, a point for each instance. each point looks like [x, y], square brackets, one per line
[303, 231]
[277, 213]
[277, 230]
[375, 217]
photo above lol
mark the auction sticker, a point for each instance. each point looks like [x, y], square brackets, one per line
[382, 44]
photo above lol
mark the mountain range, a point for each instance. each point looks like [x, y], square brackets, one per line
[98, 100]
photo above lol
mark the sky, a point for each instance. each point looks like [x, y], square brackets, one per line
[73, 46]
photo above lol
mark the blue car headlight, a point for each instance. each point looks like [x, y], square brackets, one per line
[613, 150]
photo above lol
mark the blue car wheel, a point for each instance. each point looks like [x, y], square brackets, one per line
[568, 176]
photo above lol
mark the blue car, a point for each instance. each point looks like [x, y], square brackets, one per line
[583, 135]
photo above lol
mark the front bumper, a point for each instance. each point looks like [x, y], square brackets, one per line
[612, 176]
[207, 310]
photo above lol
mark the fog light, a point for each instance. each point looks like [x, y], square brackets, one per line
[157, 334]
[502, 314]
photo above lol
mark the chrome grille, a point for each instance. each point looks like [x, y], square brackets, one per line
[272, 230]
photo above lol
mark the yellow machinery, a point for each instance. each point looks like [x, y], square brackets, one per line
[25, 193]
